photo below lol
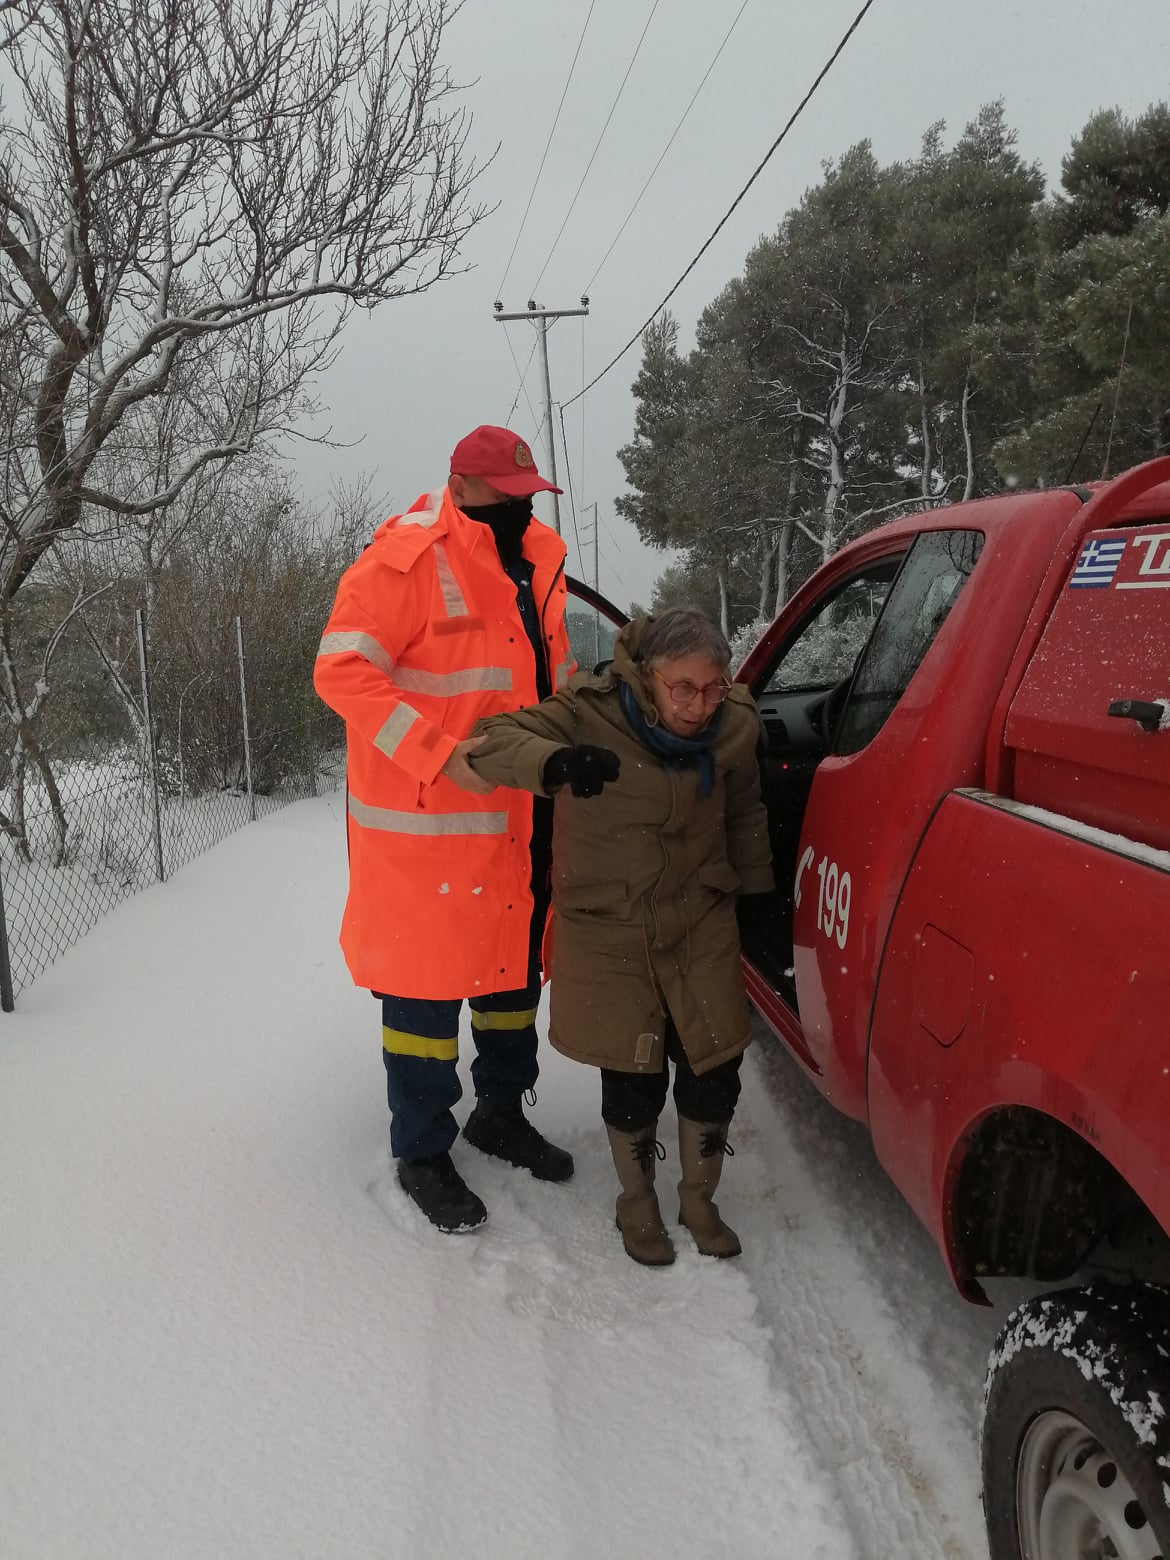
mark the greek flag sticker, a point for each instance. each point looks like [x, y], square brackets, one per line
[1098, 563]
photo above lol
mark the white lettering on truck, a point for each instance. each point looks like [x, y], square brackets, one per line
[833, 896]
[1154, 569]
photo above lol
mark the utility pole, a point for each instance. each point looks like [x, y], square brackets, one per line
[537, 311]
[596, 587]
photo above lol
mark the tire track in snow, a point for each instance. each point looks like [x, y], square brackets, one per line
[831, 1410]
[885, 1497]
[906, 1487]
[651, 1382]
[690, 1360]
[467, 1414]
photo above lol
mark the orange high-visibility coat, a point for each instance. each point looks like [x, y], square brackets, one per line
[425, 637]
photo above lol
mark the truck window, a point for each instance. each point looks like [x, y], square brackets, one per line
[828, 643]
[936, 568]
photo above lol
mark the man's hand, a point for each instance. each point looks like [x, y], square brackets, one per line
[460, 772]
[584, 769]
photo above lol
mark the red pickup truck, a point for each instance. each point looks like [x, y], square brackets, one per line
[967, 772]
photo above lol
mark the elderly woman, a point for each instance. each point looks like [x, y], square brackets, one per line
[646, 966]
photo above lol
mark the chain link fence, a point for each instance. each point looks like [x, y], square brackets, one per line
[149, 749]
[110, 794]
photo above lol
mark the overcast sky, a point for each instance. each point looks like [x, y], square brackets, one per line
[416, 375]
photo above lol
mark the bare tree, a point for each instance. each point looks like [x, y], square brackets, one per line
[841, 366]
[23, 691]
[24, 10]
[194, 196]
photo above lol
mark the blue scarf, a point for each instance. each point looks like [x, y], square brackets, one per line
[674, 751]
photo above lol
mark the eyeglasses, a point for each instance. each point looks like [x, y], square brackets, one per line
[685, 692]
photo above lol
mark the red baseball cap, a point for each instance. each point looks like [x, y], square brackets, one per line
[502, 458]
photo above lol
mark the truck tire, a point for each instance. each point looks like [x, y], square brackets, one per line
[1076, 1427]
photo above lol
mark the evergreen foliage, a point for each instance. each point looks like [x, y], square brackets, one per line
[910, 335]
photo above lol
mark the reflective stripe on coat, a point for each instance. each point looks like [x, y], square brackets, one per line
[424, 639]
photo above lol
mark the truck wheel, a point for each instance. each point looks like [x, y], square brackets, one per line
[1076, 1428]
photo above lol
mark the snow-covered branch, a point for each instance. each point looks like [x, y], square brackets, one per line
[197, 196]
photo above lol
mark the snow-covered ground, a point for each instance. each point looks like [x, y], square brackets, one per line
[224, 1333]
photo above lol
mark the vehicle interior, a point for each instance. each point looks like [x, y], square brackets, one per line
[801, 694]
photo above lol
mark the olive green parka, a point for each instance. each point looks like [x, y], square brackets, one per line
[645, 876]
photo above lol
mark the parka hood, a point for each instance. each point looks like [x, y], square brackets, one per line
[402, 539]
[626, 650]
[626, 666]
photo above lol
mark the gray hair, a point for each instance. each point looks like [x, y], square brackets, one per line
[681, 631]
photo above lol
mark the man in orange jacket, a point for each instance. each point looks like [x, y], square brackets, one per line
[454, 611]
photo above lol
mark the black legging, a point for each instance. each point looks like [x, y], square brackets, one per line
[632, 1101]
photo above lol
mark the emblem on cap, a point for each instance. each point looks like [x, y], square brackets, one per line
[523, 455]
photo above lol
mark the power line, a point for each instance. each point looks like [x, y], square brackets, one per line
[582, 403]
[613, 568]
[520, 390]
[613, 538]
[524, 387]
[604, 523]
[547, 144]
[596, 149]
[572, 499]
[666, 148]
[572, 503]
[824, 71]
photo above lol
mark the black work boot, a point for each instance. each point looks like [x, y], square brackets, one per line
[505, 1132]
[435, 1186]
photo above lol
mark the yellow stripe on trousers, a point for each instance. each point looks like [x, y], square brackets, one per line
[399, 1043]
[493, 1020]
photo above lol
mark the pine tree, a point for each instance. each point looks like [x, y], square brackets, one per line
[1100, 341]
[969, 225]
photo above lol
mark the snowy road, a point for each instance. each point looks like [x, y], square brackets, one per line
[226, 1334]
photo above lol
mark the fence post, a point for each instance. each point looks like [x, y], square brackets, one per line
[244, 712]
[7, 1003]
[151, 752]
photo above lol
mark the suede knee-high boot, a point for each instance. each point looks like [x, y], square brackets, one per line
[643, 1232]
[701, 1147]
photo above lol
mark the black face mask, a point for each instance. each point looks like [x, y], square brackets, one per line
[508, 522]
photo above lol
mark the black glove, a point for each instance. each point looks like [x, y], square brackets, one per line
[584, 769]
